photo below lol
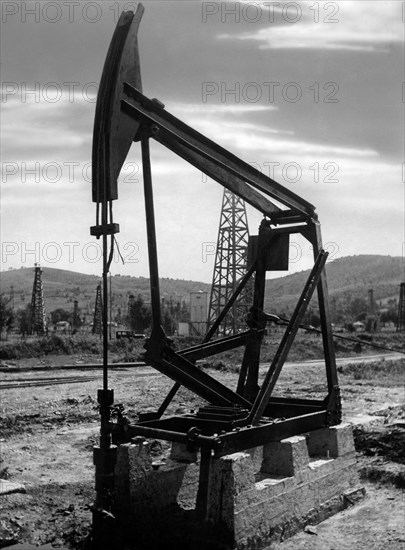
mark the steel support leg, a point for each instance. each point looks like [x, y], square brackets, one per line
[313, 234]
[273, 373]
[249, 373]
[203, 484]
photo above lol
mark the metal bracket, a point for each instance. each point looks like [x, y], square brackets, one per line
[108, 229]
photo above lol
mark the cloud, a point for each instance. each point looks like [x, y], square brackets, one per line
[245, 138]
[348, 25]
[50, 130]
[197, 108]
[215, 119]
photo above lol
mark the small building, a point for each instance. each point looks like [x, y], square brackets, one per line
[62, 327]
[199, 312]
[184, 329]
[358, 326]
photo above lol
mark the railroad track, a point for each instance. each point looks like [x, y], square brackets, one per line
[53, 381]
[11, 384]
[80, 367]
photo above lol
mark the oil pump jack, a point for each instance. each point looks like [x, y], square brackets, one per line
[232, 419]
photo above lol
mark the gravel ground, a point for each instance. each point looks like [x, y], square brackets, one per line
[48, 434]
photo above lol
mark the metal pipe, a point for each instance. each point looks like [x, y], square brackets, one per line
[104, 221]
[202, 441]
[151, 234]
[105, 309]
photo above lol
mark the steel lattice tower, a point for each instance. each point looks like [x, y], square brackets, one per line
[230, 266]
[401, 309]
[38, 317]
[98, 312]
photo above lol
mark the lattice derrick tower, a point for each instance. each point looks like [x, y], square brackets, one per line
[38, 317]
[98, 312]
[230, 265]
[401, 309]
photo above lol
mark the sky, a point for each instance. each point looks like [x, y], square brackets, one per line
[310, 93]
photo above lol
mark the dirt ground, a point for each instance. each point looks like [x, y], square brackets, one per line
[48, 433]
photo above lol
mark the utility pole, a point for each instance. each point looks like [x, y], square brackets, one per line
[401, 309]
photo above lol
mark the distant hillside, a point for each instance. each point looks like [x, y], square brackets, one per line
[62, 288]
[348, 278]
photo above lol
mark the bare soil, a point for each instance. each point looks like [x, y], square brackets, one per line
[48, 433]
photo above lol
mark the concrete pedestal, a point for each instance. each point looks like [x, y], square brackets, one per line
[264, 494]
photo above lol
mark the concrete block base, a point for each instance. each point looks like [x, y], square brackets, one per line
[255, 497]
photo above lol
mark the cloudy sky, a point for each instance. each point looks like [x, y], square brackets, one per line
[310, 93]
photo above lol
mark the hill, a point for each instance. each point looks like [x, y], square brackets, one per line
[348, 278]
[62, 288]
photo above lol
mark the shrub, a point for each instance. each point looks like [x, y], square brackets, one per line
[382, 369]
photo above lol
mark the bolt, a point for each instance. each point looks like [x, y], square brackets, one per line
[158, 103]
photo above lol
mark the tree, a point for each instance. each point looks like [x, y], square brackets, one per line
[390, 315]
[76, 317]
[358, 309]
[168, 322]
[6, 314]
[312, 318]
[60, 314]
[139, 315]
[24, 320]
